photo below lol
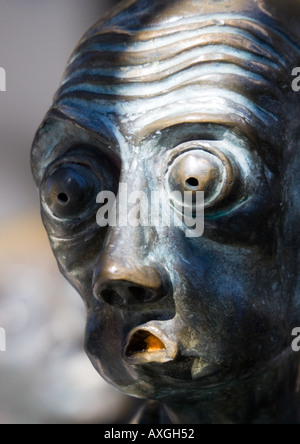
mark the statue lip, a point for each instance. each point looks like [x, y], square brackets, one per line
[150, 343]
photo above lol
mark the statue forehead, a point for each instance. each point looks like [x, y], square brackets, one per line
[151, 64]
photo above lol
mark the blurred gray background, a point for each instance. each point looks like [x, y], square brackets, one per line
[36, 39]
[45, 376]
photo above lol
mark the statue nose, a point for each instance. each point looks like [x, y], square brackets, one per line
[124, 285]
[123, 279]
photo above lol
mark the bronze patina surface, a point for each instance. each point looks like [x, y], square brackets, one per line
[184, 95]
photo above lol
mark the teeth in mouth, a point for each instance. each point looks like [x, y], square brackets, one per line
[149, 344]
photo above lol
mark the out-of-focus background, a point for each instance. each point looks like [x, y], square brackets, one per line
[45, 376]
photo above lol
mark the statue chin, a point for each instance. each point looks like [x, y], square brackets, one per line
[168, 170]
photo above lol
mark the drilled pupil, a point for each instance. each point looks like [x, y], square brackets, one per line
[63, 198]
[70, 191]
[192, 182]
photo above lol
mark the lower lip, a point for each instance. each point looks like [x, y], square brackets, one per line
[184, 371]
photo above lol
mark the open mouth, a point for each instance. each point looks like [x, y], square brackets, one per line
[149, 344]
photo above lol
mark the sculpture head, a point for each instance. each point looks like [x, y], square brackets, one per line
[182, 95]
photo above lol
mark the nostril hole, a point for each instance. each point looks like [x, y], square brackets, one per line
[140, 294]
[111, 297]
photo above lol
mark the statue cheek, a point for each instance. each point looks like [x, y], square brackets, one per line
[218, 287]
[77, 260]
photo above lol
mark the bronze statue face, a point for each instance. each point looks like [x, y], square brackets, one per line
[171, 95]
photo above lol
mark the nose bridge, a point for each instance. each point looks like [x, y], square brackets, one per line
[125, 256]
[127, 273]
[127, 247]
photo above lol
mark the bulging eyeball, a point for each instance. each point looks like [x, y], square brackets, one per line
[69, 190]
[200, 167]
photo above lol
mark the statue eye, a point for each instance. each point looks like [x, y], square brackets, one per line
[201, 169]
[70, 190]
